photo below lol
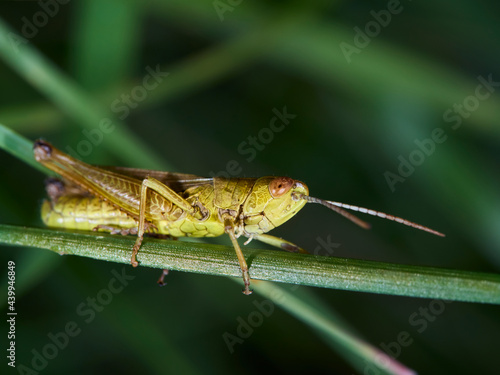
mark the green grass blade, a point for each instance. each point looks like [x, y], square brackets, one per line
[20, 147]
[326, 272]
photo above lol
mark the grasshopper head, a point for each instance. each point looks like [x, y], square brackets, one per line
[272, 201]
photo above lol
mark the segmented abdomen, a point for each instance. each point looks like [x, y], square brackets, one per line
[83, 213]
[86, 212]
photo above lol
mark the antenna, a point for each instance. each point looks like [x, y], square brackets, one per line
[342, 207]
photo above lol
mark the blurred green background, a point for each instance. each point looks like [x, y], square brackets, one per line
[230, 64]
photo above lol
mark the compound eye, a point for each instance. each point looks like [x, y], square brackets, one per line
[280, 186]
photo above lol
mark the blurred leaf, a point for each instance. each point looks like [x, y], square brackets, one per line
[20, 147]
[362, 356]
[314, 52]
[100, 38]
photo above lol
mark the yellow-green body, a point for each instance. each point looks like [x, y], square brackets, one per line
[87, 212]
[246, 199]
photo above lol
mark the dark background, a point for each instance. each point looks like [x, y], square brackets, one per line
[353, 122]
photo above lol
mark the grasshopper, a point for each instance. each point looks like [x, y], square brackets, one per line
[139, 201]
